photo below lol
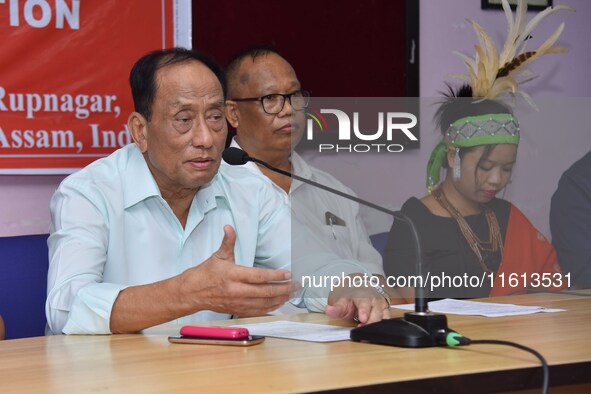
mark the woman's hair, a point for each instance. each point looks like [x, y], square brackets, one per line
[491, 73]
[458, 104]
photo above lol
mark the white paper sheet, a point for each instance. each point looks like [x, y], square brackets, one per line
[300, 331]
[487, 309]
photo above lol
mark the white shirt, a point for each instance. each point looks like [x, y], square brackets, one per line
[310, 206]
[111, 228]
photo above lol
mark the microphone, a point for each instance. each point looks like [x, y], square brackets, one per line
[235, 156]
[420, 328]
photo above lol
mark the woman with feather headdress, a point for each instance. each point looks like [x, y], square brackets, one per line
[466, 232]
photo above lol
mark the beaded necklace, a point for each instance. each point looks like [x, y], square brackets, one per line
[495, 239]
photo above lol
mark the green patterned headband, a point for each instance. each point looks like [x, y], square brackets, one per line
[472, 131]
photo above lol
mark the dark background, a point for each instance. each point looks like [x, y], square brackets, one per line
[339, 48]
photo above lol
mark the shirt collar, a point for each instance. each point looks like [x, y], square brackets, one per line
[139, 184]
[298, 164]
[300, 167]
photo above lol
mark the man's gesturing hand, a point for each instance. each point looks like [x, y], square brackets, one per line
[219, 284]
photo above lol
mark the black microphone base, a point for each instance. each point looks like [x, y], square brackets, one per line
[412, 330]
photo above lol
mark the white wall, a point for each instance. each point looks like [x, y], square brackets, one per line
[544, 154]
[551, 140]
[444, 28]
[24, 203]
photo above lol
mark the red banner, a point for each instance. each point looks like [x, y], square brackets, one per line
[64, 68]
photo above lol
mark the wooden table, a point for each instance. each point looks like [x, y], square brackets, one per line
[147, 363]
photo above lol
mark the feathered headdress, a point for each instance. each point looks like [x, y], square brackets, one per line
[491, 74]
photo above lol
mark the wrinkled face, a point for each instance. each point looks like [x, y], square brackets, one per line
[258, 132]
[480, 182]
[184, 140]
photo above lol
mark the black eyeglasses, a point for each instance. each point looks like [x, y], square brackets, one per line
[274, 103]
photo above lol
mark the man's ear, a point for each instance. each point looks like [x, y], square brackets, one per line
[137, 125]
[232, 113]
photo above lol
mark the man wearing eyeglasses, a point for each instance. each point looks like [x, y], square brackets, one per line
[266, 107]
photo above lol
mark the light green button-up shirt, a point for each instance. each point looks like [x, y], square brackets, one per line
[111, 228]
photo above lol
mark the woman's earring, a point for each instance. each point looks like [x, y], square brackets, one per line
[457, 165]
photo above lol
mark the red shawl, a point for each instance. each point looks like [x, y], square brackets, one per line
[528, 259]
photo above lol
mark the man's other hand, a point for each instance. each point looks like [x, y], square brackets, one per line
[363, 304]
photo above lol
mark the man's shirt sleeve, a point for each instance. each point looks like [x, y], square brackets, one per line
[77, 300]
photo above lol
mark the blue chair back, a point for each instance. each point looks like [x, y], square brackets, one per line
[23, 284]
[379, 241]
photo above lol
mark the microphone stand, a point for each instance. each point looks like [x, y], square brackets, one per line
[420, 328]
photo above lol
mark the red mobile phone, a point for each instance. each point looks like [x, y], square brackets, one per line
[214, 332]
[247, 341]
